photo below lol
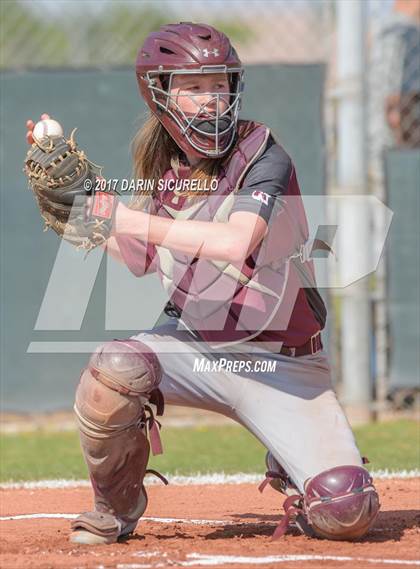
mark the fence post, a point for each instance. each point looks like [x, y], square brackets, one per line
[352, 179]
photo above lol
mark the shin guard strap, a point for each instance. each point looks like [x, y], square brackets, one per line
[292, 507]
[154, 435]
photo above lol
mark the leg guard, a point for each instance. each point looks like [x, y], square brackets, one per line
[111, 405]
[341, 503]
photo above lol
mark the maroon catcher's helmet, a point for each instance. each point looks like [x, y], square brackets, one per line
[187, 48]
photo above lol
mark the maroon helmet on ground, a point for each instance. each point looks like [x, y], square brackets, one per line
[187, 48]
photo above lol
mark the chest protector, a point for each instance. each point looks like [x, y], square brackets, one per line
[226, 303]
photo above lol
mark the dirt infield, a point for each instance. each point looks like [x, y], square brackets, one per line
[215, 525]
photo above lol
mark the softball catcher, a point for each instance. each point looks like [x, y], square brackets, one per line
[237, 268]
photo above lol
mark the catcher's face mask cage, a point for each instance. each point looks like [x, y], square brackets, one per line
[209, 130]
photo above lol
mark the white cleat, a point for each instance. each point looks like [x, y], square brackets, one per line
[88, 538]
[106, 530]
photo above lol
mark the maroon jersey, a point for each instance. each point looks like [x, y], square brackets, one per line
[262, 300]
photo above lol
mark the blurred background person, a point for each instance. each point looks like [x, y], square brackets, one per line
[394, 106]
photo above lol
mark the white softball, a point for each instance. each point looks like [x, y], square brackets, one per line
[46, 128]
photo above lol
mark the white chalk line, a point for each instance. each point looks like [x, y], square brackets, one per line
[144, 518]
[199, 559]
[198, 480]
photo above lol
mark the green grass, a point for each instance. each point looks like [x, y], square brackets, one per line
[47, 455]
[394, 445]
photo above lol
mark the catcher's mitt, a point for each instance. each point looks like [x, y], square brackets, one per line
[62, 179]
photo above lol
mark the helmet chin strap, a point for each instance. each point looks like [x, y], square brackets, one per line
[209, 125]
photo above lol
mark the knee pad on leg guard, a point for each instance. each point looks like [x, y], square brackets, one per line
[110, 405]
[341, 503]
[121, 377]
[127, 366]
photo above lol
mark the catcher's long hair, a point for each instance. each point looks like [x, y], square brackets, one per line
[154, 152]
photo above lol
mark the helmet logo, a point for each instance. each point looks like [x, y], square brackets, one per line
[207, 52]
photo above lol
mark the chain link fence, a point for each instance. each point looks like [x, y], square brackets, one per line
[393, 47]
[43, 33]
